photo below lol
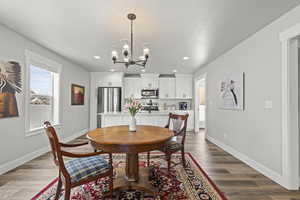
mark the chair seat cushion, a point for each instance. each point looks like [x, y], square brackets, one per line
[81, 168]
[172, 146]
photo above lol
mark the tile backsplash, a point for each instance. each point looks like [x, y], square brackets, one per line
[169, 104]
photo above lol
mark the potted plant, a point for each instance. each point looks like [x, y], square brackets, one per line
[133, 106]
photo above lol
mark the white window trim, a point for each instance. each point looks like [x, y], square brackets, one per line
[32, 58]
[37, 131]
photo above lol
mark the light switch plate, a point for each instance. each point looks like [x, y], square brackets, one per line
[268, 104]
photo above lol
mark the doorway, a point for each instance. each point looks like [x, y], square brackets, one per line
[200, 104]
[201, 107]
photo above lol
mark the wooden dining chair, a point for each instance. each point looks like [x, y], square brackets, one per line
[82, 169]
[177, 123]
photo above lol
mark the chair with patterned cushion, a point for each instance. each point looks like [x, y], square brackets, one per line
[82, 169]
[177, 123]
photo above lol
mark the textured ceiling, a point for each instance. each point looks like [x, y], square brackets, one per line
[199, 29]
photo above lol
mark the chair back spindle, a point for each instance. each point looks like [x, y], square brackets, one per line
[55, 147]
[178, 124]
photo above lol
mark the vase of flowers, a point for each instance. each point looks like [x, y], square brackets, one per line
[133, 106]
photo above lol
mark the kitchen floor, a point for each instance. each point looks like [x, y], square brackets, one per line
[237, 180]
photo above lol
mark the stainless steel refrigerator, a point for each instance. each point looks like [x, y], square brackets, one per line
[109, 100]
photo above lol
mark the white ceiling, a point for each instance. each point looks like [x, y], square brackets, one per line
[199, 29]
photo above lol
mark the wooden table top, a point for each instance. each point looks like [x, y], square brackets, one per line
[120, 135]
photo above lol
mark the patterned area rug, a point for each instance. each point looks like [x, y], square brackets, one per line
[191, 183]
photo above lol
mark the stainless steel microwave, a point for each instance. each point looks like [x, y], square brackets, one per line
[150, 93]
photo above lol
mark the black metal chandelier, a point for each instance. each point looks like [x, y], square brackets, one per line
[128, 51]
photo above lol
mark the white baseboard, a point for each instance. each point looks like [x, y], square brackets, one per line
[273, 175]
[20, 161]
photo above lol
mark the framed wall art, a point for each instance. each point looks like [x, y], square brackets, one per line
[231, 92]
[77, 94]
[10, 85]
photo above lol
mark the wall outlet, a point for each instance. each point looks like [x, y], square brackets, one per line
[225, 136]
[268, 104]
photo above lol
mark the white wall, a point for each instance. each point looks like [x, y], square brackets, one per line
[298, 94]
[14, 146]
[255, 133]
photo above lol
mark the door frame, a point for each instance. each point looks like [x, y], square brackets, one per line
[290, 131]
[196, 101]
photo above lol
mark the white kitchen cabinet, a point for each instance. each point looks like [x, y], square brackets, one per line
[132, 88]
[111, 121]
[107, 79]
[141, 120]
[162, 120]
[184, 86]
[149, 81]
[167, 88]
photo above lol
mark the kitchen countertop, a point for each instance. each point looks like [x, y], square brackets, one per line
[145, 113]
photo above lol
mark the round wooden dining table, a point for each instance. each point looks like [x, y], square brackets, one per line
[118, 139]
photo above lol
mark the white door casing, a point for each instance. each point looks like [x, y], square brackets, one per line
[290, 131]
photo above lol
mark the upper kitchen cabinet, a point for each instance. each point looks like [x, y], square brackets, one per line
[107, 79]
[132, 88]
[184, 86]
[167, 88]
[149, 81]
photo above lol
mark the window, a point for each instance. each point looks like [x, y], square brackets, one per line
[41, 96]
[42, 102]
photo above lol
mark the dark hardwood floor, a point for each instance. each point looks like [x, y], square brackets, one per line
[237, 180]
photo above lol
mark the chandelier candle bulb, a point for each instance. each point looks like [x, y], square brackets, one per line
[114, 54]
[146, 51]
[126, 47]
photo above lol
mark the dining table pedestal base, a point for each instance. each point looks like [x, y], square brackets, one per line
[117, 139]
[133, 177]
[132, 167]
[143, 183]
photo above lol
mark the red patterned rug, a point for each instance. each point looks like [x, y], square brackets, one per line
[191, 183]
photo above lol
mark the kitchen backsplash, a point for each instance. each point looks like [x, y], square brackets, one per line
[169, 104]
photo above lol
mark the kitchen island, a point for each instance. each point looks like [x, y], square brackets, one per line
[155, 118]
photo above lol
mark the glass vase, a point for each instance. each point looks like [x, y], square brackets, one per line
[132, 124]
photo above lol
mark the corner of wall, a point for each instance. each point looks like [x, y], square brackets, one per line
[32, 155]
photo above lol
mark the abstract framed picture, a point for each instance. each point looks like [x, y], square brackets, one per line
[10, 86]
[77, 95]
[231, 92]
